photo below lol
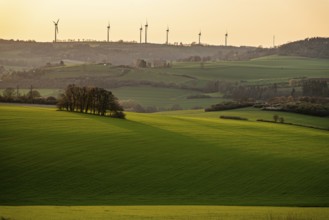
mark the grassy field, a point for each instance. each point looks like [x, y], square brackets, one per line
[162, 213]
[162, 98]
[252, 114]
[168, 83]
[166, 97]
[265, 69]
[48, 157]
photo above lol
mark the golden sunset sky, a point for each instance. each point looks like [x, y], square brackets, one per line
[248, 22]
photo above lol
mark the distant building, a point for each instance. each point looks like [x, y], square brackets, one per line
[140, 63]
[160, 64]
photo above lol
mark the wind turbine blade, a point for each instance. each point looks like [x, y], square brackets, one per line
[57, 21]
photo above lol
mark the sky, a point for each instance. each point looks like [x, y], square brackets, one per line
[248, 22]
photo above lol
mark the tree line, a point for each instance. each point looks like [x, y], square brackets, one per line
[91, 100]
[315, 87]
[13, 95]
[317, 47]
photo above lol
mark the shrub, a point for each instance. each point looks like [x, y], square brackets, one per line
[233, 117]
[281, 120]
[120, 115]
[228, 106]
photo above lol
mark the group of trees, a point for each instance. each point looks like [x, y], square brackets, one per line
[317, 106]
[141, 63]
[13, 95]
[277, 118]
[239, 91]
[311, 47]
[229, 105]
[92, 100]
[196, 59]
[315, 87]
[254, 92]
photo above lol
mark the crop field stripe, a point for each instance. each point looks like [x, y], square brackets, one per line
[50, 157]
[162, 212]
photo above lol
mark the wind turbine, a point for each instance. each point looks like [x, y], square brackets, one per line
[140, 33]
[226, 36]
[108, 32]
[146, 26]
[200, 38]
[56, 29]
[167, 36]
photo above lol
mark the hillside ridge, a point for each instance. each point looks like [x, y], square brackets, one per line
[35, 54]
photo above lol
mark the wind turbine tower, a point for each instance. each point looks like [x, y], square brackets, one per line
[146, 26]
[226, 36]
[140, 33]
[167, 36]
[56, 29]
[200, 38]
[108, 32]
[273, 41]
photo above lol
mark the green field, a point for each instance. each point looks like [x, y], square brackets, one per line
[166, 98]
[252, 114]
[257, 71]
[270, 68]
[164, 88]
[187, 164]
[50, 157]
[162, 213]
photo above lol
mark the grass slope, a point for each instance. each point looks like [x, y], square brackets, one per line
[163, 212]
[59, 158]
[258, 71]
[269, 68]
[166, 97]
[252, 114]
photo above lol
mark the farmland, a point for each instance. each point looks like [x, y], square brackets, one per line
[164, 212]
[177, 158]
[164, 88]
[186, 164]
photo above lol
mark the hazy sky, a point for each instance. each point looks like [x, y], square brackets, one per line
[248, 22]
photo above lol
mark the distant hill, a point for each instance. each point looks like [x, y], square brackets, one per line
[34, 54]
[18, 55]
[310, 47]
[182, 85]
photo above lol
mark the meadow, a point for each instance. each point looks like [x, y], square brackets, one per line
[165, 87]
[50, 157]
[168, 165]
[271, 68]
[163, 213]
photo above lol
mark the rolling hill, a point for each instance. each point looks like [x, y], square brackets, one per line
[18, 55]
[165, 88]
[50, 157]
